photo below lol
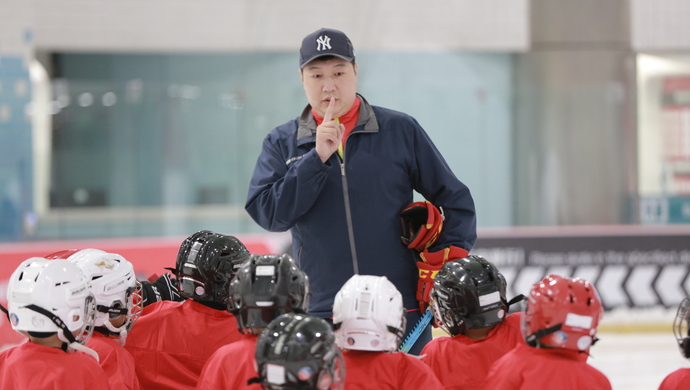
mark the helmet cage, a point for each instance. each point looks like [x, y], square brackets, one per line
[206, 262]
[84, 334]
[134, 305]
[681, 327]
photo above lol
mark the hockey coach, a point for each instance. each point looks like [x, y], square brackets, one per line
[339, 175]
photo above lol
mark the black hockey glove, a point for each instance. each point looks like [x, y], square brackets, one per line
[162, 289]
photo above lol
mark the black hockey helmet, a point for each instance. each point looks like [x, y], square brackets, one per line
[206, 262]
[298, 351]
[265, 287]
[469, 293]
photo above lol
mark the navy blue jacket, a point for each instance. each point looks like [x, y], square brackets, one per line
[347, 206]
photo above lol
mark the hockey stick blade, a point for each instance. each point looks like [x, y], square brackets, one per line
[416, 331]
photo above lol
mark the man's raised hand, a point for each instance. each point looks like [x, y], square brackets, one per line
[328, 134]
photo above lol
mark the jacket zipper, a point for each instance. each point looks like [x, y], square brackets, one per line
[348, 214]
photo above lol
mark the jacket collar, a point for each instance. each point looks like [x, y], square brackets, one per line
[307, 123]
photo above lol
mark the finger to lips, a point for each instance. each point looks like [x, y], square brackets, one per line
[329, 111]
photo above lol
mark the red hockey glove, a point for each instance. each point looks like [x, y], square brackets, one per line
[443, 256]
[431, 263]
[421, 225]
[425, 283]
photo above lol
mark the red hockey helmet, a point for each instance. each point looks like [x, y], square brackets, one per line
[421, 224]
[562, 313]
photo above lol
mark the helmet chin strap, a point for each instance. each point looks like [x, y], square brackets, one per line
[83, 348]
[7, 313]
[533, 339]
[121, 331]
[72, 342]
[516, 299]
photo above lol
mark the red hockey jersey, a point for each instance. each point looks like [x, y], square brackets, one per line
[34, 366]
[117, 363]
[677, 380]
[460, 362]
[365, 370]
[231, 367]
[529, 368]
[172, 341]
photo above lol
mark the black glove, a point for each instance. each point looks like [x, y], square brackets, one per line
[162, 289]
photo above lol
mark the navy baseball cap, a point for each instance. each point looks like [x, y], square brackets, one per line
[325, 42]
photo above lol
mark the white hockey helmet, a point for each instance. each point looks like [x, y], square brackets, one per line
[368, 314]
[113, 285]
[49, 296]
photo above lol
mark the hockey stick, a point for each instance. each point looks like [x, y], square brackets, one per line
[416, 331]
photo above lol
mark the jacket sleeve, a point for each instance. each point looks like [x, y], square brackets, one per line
[282, 189]
[433, 178]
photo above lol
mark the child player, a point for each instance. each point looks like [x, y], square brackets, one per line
[469, 302]
[265, 287]
[369, 321]
[50, 302]
[559, 326]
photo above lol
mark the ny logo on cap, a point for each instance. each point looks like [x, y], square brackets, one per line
[323, 43]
